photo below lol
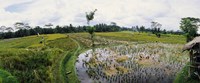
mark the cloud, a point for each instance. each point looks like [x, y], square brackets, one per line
[125, 13]
[19, 7]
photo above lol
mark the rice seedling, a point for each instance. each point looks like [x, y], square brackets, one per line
[140, 63]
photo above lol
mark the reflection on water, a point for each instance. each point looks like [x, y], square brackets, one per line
[140, 63]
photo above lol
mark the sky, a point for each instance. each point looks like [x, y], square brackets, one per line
[125, 13]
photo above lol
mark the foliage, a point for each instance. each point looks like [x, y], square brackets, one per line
[26, 58]
[183, 76]
[107, 28]
[156, 28]
[6, 77]
[62, 43]
[190, 25]
[21, 25]
[36, 64]
[29, 64]
[4, 28]
[90, 16]
[59, 29]
[91, 30]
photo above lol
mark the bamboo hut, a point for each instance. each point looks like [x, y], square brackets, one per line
[194, 48]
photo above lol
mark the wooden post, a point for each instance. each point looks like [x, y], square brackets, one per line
[198, 58]
[194, 61]
[190, 69]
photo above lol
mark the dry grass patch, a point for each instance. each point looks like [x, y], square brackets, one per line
[121, 58]
[122, 69]
[146, 62]
[110, 71]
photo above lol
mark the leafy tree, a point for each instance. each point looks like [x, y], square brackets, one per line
[101, 27]
[38, 29]
[156, 28]
[72, 28]
[189, 26]
[142, 28]
[114, 26]
[21, 25]
[2, 28]
[9, 29]
[58, 29]
[164, 31]
[137, 28]
[90, 16]
[23, 28]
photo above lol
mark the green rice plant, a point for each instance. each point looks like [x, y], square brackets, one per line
[6, 77]
[146, 62]
[144, 37]
[25, 58]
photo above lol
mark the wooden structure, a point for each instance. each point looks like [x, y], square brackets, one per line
[194, 48]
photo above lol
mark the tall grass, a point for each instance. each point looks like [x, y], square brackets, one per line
[33, 65]
[6, 77]
[145, 37]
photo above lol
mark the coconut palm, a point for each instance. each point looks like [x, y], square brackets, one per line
[89, 17]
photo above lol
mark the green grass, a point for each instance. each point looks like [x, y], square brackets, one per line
[6, 77]
[30, 61]
[35, 64]
[70, 65]
[28, 41]
[70, 47]
[143, 37]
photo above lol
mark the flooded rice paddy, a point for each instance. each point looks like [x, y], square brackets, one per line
[134, 63]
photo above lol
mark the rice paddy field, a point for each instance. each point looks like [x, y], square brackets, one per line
[118, 57]
[134, 63]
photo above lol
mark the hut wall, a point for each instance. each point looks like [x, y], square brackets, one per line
[195, 59]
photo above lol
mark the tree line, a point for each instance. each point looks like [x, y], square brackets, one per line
[156, 29]
[23, 29]
[26, 30]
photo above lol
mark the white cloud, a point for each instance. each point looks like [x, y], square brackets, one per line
[124, 13]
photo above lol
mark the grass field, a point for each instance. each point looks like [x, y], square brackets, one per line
[27, 58]
[144, 37]
[30, 61]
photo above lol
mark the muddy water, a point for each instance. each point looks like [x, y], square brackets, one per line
[81, 67]
[164, 71]
[81, 70]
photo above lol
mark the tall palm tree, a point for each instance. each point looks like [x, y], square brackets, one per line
[89, 17]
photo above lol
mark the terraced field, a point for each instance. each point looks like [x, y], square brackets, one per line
[132, 63]
[31, 61]
[53, 59]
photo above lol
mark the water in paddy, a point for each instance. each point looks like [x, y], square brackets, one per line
[140, 63]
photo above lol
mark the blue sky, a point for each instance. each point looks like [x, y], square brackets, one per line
[124, 12]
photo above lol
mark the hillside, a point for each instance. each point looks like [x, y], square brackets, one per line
[32, 60]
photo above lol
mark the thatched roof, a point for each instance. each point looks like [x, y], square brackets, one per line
[190, 44]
